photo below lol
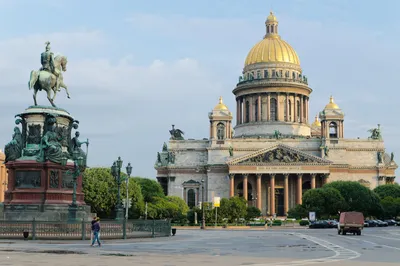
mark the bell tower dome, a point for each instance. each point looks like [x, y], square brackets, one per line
[272, 93]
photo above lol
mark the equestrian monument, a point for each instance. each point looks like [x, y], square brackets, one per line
[44, 159]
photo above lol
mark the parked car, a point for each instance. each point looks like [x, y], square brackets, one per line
[381, 223]
[351, 222]
[371, 223]
[392, 222]
[332, 223]
[319, 224]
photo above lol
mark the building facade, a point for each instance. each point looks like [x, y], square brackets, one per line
[3, 176]
[274, 153]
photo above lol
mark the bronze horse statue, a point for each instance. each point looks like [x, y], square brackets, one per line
[44, 80]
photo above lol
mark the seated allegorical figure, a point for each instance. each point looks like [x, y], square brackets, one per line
[13, 149]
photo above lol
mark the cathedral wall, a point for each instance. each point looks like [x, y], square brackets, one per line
[218, 185]
[254, 129]
[190, 158]
[369, 176]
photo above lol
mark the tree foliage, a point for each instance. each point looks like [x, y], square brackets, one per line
[357, 197]
[298, 212]
[252, 212]
[151, 189]
[388, 190]
[391, 207]
[324, 201]
[100, 189]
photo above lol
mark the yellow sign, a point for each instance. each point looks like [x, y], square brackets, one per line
[217, 201]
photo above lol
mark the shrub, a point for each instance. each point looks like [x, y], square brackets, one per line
[304, 223]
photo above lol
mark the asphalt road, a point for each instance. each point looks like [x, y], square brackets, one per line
[376, 246]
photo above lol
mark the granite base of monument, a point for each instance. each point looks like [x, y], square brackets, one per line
[45, 212]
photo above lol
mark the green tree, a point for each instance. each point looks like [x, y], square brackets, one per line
[390, 207]
[136, 210]
[237, 208]
[150, 189]
[182, 207]
[357, 197]
[388, 190]
[97, 187]
[252, 212]
[314, 200]
[100, 189]
[298, 212]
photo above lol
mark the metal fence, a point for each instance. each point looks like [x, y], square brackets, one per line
[82, 229]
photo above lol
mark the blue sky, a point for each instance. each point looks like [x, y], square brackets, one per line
[136, 67]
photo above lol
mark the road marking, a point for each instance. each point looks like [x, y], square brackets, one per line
[341, 253]
[384, 237]
[373, 243]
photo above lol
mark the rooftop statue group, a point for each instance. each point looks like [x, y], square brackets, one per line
[51, 144]
[49, 77]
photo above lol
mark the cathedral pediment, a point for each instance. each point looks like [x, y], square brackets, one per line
[279, 154]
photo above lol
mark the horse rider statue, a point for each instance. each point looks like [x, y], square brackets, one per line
[47, 61]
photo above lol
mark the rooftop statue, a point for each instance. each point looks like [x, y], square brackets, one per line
[49, 77]
[176, 134]
[376, 133]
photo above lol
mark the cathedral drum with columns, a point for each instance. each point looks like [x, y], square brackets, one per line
[274, 154]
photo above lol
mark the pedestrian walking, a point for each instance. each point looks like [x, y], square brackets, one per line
[92, 228]
[96, 232]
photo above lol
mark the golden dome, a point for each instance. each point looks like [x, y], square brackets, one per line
[331, 104]
[272, 48]
[220, 106]
[316, 122]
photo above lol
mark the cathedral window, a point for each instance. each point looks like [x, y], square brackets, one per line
[273, 110]
[333, 130]
[293, 75]
[191, 198]
[298, 111]
[290, 110]
[280, 73]
[247, 109]
[265, 74]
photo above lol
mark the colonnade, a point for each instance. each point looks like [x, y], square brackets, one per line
[273, 106]
[270, 179]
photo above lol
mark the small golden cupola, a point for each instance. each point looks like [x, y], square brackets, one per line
[220, 122]
[220, 105]
[316, 127]
[332, 121]
[331, 104]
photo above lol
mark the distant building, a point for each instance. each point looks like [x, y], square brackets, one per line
[3, 176]
[274, 154]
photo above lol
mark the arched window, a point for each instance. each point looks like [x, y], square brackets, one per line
[272, 28]
[191, 198]
[256, 110]
[333, 130]
[273, 110]
[293, 75]
[285, 111]
[265, 74]
[290, 110]
[298, 111]
[247, 118]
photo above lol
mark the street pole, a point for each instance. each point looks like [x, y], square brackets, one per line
[145, 212]
[203, 220]
[216, 216]
[127, 199]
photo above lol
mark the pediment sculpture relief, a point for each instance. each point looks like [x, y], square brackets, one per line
[279, 156]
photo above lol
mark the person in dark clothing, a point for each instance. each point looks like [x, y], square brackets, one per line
[96, 232]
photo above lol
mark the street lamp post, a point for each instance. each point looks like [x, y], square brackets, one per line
[203, 219]
[116, 172]
[79, 167]
[129, 172]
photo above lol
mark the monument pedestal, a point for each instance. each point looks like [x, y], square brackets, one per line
[42, 191]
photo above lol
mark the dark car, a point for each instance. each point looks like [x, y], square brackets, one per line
[319, 224]
[381, 223]
[332, 223]
[391, 222]
[371, 223]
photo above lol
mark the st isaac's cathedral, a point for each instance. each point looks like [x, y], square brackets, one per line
[273, 154]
